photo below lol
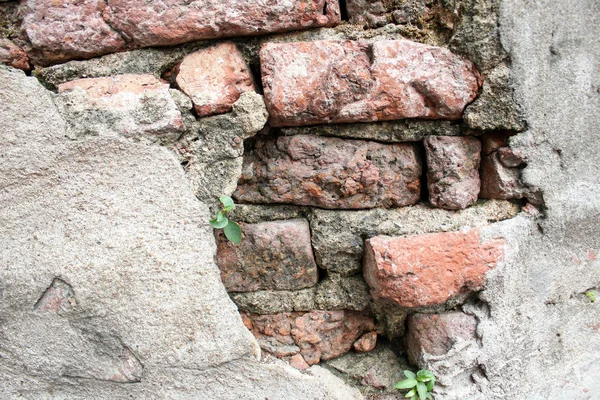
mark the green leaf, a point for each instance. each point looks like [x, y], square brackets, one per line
[227, 202]
[430, 384]
[428, 395]
[422, 390]
[415, 397]
[592, 295]
[411, 393]
[220, 221]
[406, 384]
[409, 374]
[233, 232]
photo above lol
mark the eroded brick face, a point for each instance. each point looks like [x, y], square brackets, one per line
[429, 269]
[436, 334]
[316, 335]
[452, 171]
[272, 256]
[330, 173]
[500, 169]
[353, 81]
[214, 78]
[13, 55]
[62, 30]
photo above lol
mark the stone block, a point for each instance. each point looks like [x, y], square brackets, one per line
[452, 171]
[128, 105]
[330, 173]
[214, 78]
[272, 256]
[13, 55]
[500, 172]
[366, 342]
[354, 81]
[65, 30]
[429, 269]
[316, 335]
[436, 334]
[367, 13]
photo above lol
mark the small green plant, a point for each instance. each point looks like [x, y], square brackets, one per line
[232, 230]
[592, 294]
[420, 384]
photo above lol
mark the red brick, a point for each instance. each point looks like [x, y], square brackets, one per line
[330, 173]
[13, 55]
[435, 334]
[352, 81]
[366, 342]
[429, 269]
[214, 78]
[452, 171]
[316, 335]
[272, 256]
[67, 29]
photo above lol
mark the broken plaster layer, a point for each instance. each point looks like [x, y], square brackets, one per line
[117, 223]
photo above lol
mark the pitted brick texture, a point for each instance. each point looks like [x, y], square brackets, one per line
[214, 78]
[500, 169]
[13, 55]
[63, 30]
[272, 256]
[330, 173]
[429, 269]
[352, 81]
[452, 171]
[316, 335]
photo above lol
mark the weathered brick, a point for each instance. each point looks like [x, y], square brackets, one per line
[368, 13]
[214, 78]
[122, 104]
[330, 81]
[500, 172]
[366, 342]
[62, 30]
[429, 269]
[58, 297]
[436, 334]
[316, 335]
[272, 256]
[13, 55]
[452, 171]
[330, 173]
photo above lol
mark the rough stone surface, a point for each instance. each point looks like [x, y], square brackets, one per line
[355, 81]
[336, 293]
[272, 256]
[128, 105]
[366, 342]
[452, 171]
[214, 78]
[496, 108]
[177, 21]
[368, 13]
[500, 172]
[330, 173]
[13, 55]
[273, 302]
[387, 131]
[375, 372]
[436, 334]
[338, 236]
[316, 335]
[59, 297]
[117, 221]
[59, 31]
[429, 269]
[56, 34]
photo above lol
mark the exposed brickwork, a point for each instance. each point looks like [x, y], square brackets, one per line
[13, 55]
[429, 269]
[316, 335]
[330, 173]
[500, 172]
[435, 334]
[72, 29]
[272, 256]
[452, 171]
[328, 81]
[366, 342]
[214, 78]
